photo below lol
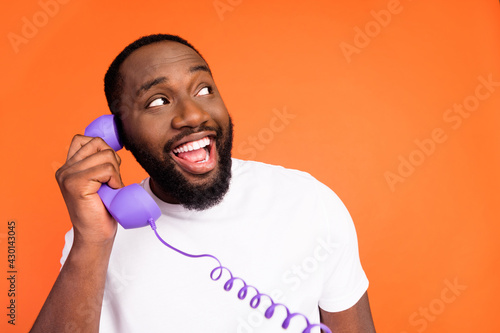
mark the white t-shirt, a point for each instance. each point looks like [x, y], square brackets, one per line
[280, 230]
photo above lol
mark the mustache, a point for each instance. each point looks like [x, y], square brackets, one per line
[169, 145]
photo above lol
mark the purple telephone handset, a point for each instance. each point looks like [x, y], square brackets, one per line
[131, 206]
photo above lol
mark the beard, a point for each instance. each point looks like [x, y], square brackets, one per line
[164, 173]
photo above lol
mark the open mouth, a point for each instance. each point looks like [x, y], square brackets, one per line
[195, 151]
[196, 156]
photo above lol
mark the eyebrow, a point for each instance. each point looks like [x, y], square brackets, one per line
[198, 68]
[150, 84]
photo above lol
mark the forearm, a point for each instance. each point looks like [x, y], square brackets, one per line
[74, 303]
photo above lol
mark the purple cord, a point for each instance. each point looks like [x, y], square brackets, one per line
[242, 293]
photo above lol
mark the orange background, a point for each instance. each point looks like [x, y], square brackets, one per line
[357, 116]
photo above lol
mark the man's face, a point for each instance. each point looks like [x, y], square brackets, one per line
[176, 124]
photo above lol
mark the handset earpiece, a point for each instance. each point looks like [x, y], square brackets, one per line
[131, 206]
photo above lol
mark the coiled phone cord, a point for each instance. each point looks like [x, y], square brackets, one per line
[242, 293]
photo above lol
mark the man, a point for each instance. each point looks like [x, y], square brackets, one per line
[280, 230]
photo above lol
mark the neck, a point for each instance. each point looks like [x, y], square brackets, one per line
[162, 195]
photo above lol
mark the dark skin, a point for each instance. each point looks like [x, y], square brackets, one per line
[167, 89]
[357, 318]
[183, 96]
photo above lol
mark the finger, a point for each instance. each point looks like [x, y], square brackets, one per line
[84, 146]
[103, 157]
[77, 142]
[98, 175]
[87, 181]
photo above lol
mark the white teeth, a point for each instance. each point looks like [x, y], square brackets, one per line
[194, 145]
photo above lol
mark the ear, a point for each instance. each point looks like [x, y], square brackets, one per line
[121, 132]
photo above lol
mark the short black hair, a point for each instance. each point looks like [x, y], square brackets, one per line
[113, 81]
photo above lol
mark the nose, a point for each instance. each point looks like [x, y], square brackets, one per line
[189, 114]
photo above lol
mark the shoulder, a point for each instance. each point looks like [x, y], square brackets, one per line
[264, 172]
[275, 176]
[280, 182]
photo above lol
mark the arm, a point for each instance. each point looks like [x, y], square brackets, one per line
[74, 303]
[358, 318]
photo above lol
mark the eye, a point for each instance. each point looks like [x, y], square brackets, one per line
[205, 91]
[158, 102]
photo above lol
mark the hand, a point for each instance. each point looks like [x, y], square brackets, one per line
[90, 163]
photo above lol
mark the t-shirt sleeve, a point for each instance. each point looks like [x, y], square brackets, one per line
[68, 243]
[345, 280]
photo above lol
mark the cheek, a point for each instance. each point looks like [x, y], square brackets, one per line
[220, 115]
[146, 131]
